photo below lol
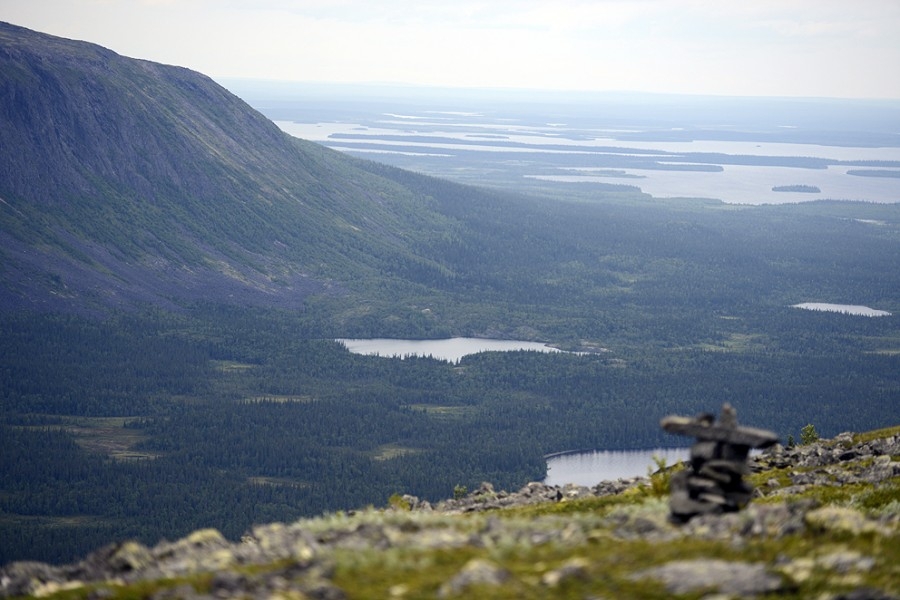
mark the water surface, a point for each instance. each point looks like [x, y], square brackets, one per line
[847, 309]
[590, 468]
[438, 141]
[451, 349]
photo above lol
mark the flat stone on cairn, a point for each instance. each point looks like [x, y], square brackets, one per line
[714, 482]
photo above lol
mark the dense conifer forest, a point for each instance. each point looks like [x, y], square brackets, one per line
[152, 424]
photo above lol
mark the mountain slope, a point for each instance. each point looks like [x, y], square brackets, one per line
[124, 181]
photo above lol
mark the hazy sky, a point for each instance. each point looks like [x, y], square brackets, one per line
[837, 48]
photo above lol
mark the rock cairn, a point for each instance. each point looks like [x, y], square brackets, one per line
[714, 482]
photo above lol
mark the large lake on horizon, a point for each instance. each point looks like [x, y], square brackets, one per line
[591, 467]
[450, 349]
[436, 140]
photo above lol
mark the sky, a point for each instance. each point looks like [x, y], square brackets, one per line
[809, 48]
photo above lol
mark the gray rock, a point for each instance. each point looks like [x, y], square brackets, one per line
[476, 572]
[574, 568]
[733, 578]
[227, 583]
[114, 560]
[725, 471]
[703, 451]
[24, 577]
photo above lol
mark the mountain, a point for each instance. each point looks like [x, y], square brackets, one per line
[124, 181]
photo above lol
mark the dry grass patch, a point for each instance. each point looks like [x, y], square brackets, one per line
[390, 451]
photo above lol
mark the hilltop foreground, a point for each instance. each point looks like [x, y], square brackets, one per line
[825, 524]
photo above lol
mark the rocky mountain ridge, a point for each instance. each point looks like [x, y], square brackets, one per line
[825, 523]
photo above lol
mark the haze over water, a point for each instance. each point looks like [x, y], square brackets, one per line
[660, 150]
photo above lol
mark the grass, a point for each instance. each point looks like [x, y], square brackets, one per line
[278, 399]
[277, 481]
[105, 435]
[231, 366]
[609, 563]
[443, 412]
[737, 342]
[606, 564]
[65, 521]
[389, 451]
[876, 434]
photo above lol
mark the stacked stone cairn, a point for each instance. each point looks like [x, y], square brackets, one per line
[714, 482]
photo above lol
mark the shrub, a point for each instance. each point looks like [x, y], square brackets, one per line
[460, 491]
[809, 435]
[398, 502]
[659, 481]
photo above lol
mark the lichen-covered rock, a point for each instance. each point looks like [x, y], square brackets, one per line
[25, 577]
[843, 520]
[476, 572]
[726, 577]
[574, 568]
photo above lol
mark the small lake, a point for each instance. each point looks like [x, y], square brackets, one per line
[450, 349]
[590, 468]
[847, 309]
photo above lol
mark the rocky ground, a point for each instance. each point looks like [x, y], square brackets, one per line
[824, 523]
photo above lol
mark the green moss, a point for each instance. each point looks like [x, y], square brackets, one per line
[769, 481]
[660, 480]
[590, 504]
[373, 574]
[884, 498]
[607, 563]
[398, 502]
[139, 590]
[609, 568]
[876, 434]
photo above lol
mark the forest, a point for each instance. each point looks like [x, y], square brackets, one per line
[153, 423]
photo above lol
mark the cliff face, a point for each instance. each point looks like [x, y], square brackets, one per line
[825, 523]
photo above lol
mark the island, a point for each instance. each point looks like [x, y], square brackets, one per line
[875, 173]
[807, 189]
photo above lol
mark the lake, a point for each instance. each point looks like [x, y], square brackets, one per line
[847, 309]
[439, 143]
[590, 468]
[450, 349]
[745, 184]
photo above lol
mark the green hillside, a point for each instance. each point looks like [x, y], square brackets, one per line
[127, 182]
